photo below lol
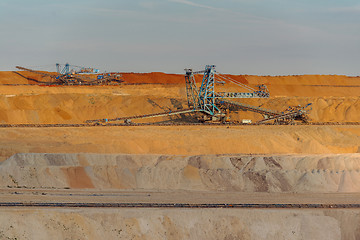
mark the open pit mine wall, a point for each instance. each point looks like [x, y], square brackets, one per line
[247, 173]
[229, 224]
[333, 98]
[235, 172]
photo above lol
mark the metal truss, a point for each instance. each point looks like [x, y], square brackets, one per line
[191, 89]
[207, 93]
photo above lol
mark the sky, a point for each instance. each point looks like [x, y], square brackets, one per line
[260, 37]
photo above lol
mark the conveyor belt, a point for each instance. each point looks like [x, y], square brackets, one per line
[169, 113]
[282, 116]
[37, 72]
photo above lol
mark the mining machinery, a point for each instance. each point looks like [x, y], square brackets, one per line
[75, 75]
[214, 105]
[72, 69]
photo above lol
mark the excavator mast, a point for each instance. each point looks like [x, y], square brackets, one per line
[212, 103]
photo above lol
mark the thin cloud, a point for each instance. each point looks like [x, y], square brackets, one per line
[186, 2]
[243, 16]
[147, 4]
[353, 9]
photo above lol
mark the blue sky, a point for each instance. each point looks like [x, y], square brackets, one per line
[264, 37]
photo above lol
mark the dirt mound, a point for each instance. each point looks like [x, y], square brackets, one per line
[178, 140]
[24, 77]
[322, 109]
[7, 77]
[249, 173]
[76, 105]
[333, 98]
[245, 224]
[154, 77]
[36, 104]
[306, 80]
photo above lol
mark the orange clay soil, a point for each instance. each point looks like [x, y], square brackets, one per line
[187, 140]
[24, 77]
[333, 98]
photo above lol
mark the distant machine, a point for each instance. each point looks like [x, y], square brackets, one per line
[72, 69]
[75, 75]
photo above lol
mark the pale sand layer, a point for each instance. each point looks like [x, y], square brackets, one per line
[172, 197]
[234, 172]
[318, 172]
[174, 224]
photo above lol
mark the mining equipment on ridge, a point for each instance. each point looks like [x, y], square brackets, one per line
[75, 75]
[214, 106]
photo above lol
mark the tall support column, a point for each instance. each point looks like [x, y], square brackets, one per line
[207, 93]
[191, 90]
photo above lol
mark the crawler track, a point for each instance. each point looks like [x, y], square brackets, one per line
[174, 205]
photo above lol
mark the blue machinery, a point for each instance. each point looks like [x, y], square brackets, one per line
[209, 102]
[206, 93]
[75, 75]
[206, 100]
[63, 70]
[66, 73]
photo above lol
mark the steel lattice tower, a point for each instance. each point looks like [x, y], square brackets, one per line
[207, 93]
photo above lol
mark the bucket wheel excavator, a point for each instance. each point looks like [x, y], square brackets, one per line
[214, 105]
[75, 75]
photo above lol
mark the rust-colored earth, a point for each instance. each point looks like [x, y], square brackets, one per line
[333, 98]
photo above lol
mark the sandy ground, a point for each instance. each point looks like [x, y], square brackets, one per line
[170, 196]
[333, 98]
[41, 178]
[302, 173]
[188, 140]
[127, 223]
[305, 164]
[174, 224]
